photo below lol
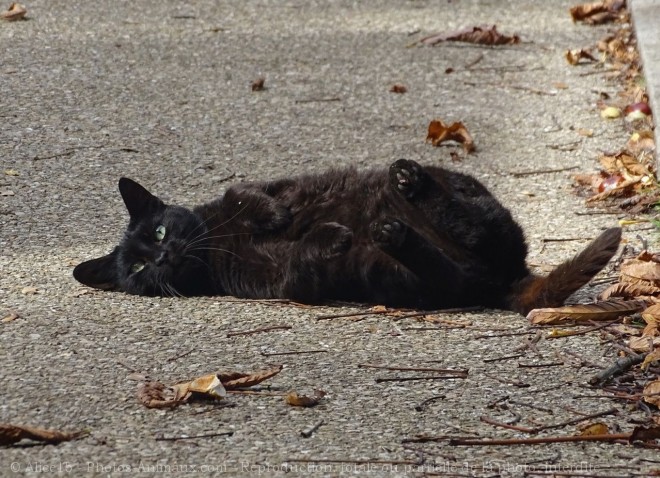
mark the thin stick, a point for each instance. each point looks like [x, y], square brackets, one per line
[535, 441]
[490, 421]
[256, 331]
[194, 437]
[520, 174]
[414, 369]
[257, 393]
[583, 331]
[420, 407]
[318, 100]
[293, 352]
[177, 357]
[410, 379]
[620, 366]
[539, 365]
[515, 383]
[309, 431]
[498, 359]
[509, 334]
[356, 462]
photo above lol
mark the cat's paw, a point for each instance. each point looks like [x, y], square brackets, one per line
[330, 239]
[406, 177]
[388, 232]
[279, 217]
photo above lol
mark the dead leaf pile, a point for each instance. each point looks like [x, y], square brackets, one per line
[482, 35]
[597, 13]
[439, 132]
[153, 394]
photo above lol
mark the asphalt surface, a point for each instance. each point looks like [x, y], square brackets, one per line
[160, 91]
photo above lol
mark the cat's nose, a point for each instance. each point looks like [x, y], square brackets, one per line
[161, 259]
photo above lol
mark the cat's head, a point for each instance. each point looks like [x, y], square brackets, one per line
[162, 251]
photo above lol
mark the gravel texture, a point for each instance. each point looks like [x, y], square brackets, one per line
[160, 91]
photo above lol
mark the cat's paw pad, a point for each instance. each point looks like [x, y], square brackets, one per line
[406, 177]
[332, 239]
[388, 232]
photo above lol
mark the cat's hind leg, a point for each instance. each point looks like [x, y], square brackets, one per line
[440, 275]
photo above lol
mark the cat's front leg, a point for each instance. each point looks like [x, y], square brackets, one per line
[306, 276]
[254, 209]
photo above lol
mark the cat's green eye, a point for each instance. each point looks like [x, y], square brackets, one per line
[160, 233]
[137, 267]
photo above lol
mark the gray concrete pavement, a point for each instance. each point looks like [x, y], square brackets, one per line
[160, 91]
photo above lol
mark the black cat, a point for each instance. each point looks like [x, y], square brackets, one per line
[413, 236]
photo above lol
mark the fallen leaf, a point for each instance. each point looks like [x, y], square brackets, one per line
[641, 141]
[154, 394]
[398, 89]
[629, 291]
[645, 434]
[636, 271]
[650, 358]
[29, 290]
[607, 310]
[15, 12]
[597, 428]
[439, 132]
[234, 380]
[595, 13]
[258, 84]
[378, 309]
[208, 385]
[14, 433]
[643, 344]
[573, 57]
[483, 35]
[292, 398]
[10, 317]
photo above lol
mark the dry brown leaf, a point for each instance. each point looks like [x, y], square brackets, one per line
[629, 291]
[595, 13]
[15, 12]
[29, 290]
[10, 317]
[234, 380]
[652, 318]
[292, 398]
[650, 358]
[641, 141]
[607, 310]
[645, 433]
[439, 132]
[636, 271]
[643, 344]
[483, 35]
[207, 385]
[154, 394]
[598, 428]
[621, 189]
[258, 84]
[14, 433]
[398, 89]
[573, 57]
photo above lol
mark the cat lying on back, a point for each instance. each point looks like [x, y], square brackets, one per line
[410, 236]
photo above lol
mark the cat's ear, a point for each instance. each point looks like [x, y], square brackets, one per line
[100, 273]
[138, 200]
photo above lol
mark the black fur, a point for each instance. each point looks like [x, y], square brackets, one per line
[410, 236]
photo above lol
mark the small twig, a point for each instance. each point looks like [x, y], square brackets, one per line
[572, 146]
[611, 411]
[193, 437]
[564, 239]
[529, 405]
[256, 331]
[498, 359]
[422, 405]
[410, 379]
[356, 462]
[490, 421]
[415, 369]
[309, 431]
[540, 365]
[582, 332]
[519, 174]
[177, 357]
[535, 441]
[293, 352]
[509, 334]
[474, 62]
[620, 366]
[596, 213]
[257, 393]
[318, 100]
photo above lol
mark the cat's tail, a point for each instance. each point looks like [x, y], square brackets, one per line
[534, 291]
